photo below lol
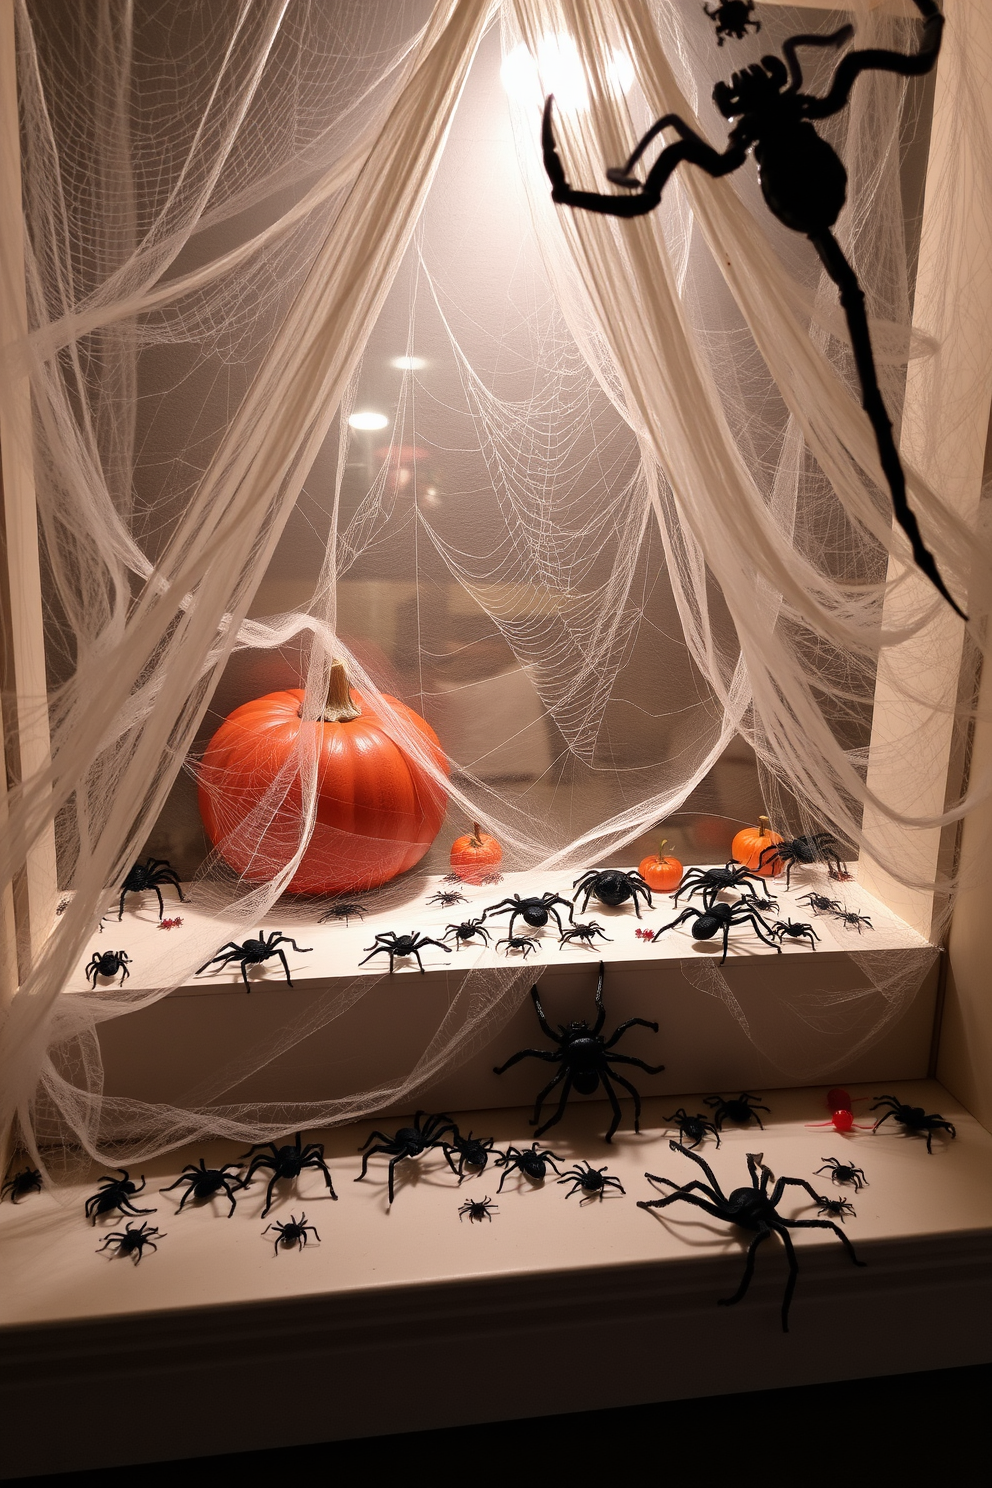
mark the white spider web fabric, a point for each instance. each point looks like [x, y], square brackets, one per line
[642, 462]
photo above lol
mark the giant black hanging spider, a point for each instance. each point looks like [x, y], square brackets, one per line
[585, 1062]
[409, 1141]
[713, 881]
[115, 1193]
[535, 911]
[914, 1119]
[203, 1182]
[612, 886]
[804, 184]
[400, 945]
[150, 875]
[532, 1161]
[720, 917]
[753, 1209]
[253, 952]
[285, 1162]
[821, 847]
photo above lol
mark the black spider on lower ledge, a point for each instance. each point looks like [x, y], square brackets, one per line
[115, 1193]
[585, 1060]
[593, 1182]
[293, 1233]
[151, 874]
[720, 918]
[473, 1152]
[844, 1173]
[401, 945]
[285, 1163]
[478, 1209]
[740, 1109]
[203, 1183]
[407, 1142]
[108, 964]
[253, 952]
[914, 1119]
[752, 1209]
[532, 1161]
[696, 1127]
[18, 1185]
[131, 1241]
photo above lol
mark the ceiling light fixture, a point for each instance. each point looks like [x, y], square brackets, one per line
[368, 420]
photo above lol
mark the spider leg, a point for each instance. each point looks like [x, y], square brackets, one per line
[400, 1157]
[633, 1090]
[630, 1023]
[741, 1291]
[566, 1092]
[601, 1014]
[285, 966]
[373, 1152]
[650, 1069]
[268, 1193]
[759, 928]
[877, 59]
[374, 952]
[704, 1204]
[611, 1096]
[784, 1183]
[542, 1017]
[244, 976]
[822, 1224]
[499, 1069]
[691, 910]
[853, 303]
[227, 1189]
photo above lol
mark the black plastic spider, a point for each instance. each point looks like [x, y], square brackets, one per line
[254, 952]
[732, 19]
[804, 184]
[913, 1118]
[525, 943]
[694, 1127]
[293, 1233]
[586, 933]
[285, 1162]
[820, 904]
[835, 1208]
[150, 875]
[844, 1173]
[740, 1109]
[613, 887]
[27, 1181]
[751, 1208]
[821, 847]
[535, 911]
[479, 1209]
[108, 964]
[204, 1182]
[131, 1241]
[473, 1152]
[585, 1062]
[409, 1141]
[851, 917]
[401, 945]
[466, 931]
[343, 910]
[531, 1161]
[795, 930]
[718, 918]
[712, 881]
[115, 1193]
[447, 897]
[592, 1181]
[764, 903]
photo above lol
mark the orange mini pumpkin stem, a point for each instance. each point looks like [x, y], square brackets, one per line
[662, 845]
[340, 706]
[764, 826]
[476, 835]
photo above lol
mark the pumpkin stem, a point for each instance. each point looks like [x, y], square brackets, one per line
[476, 835]
[764, 826]
[340, 706]
[661, 845]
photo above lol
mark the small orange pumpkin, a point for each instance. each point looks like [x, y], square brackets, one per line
[749, 844]
[660, 873]
[475, 854]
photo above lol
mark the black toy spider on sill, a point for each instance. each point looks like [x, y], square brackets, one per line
[613, 887]
[694, 1127]
[804, 185]
[844, 1173]
[592, 1182]
[286, 1163]
[740, 1109]
[253, 952]
[203, 1183]
[586, 1062]
[733, 17]
[401, 945]
[820, 904]
[150, 874]
[131, 1241]
[408, 1142]
[713, 881]
[585, 933]
[535, 910]
[763, 903]
[795, 930]
[753, 1209]
[447, 897]
[532, 1161]
[821, 847]
[852, 919]
[467, 931]
[473, 1152]
[913, 1119]
[345, 910]
[108, 964]
[835, 1208]
[720, 918]
[115, 1193]
[293, 1233]
[18, 1185]
[525, 943]
[478, 1209]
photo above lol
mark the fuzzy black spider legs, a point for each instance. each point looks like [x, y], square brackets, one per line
[810, 39]
[852, 301]
[878, 59]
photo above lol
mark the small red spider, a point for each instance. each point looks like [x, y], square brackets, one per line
[170, 924]
[644, 934]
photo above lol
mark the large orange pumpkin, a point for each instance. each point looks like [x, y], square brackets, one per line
[749, 844]
[378, 811]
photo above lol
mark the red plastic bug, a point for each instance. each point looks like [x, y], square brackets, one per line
[841, 1114]
[170, 924]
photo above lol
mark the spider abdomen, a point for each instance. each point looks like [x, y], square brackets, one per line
[803, 179]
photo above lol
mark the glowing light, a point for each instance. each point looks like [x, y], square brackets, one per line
[368, 420]
[408, 363]
[557, 69]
